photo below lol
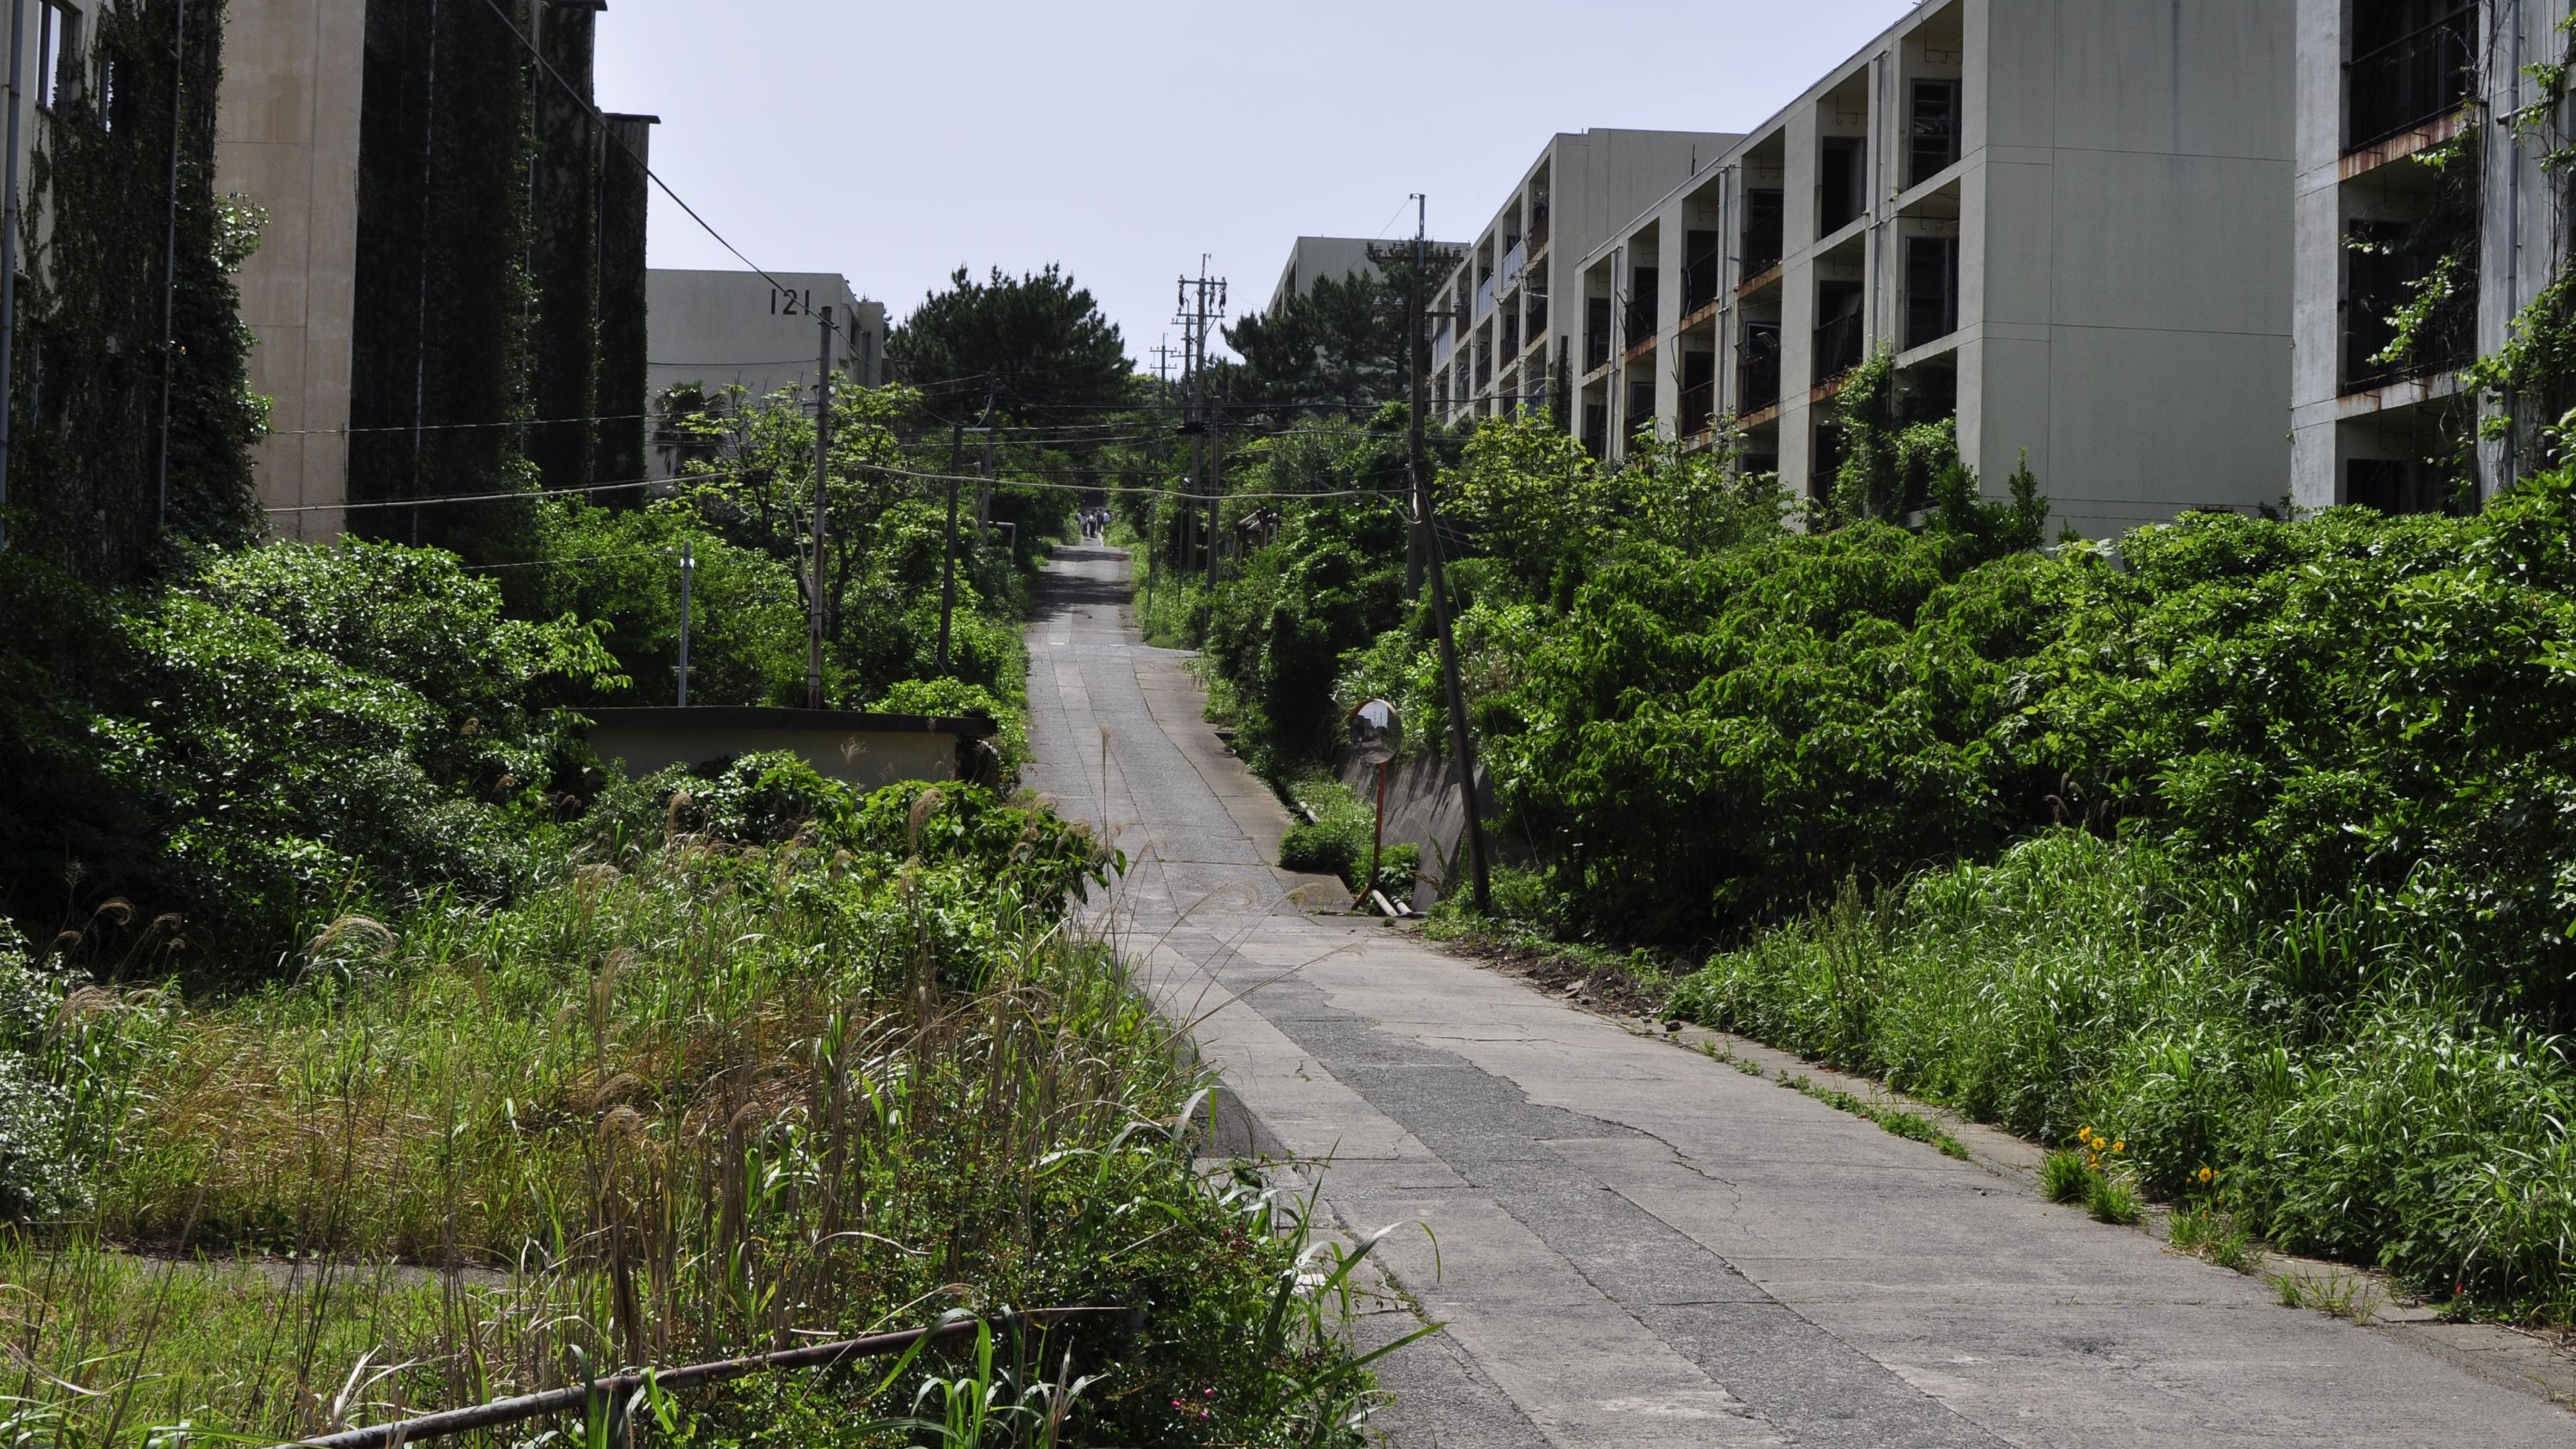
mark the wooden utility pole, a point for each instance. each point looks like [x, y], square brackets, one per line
[822, 469]
[1427, 531]
[948, 576]
[1202, 302]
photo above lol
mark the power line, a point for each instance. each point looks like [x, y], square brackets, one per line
[601, 118]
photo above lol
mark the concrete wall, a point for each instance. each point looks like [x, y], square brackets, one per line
[2136, 254]
[645, 740]
[287, 136]
[723, 327]
[1313, 259]
[2121, 201]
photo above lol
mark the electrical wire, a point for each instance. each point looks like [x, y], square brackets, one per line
[545, 563]
[601, 118]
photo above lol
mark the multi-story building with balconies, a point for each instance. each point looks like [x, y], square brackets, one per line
[1495, 342]
[2425, 222]
[2069, 220]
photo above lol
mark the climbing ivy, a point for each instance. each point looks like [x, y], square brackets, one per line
[445, 309]
[84, 482]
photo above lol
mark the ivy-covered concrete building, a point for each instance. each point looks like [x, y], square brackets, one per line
[130, 423]
[2068, 220]
[449, 296]
[2428, 222]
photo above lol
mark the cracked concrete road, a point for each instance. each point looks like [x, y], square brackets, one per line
[1635, 1245]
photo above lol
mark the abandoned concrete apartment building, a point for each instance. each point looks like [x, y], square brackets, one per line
[2159, 250]
[2415, 194]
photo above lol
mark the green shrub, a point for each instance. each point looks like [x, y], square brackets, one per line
[2076, 982]
[2063, 1177]
[1322, 848]
[286, 733]
[622, 567]
[38, 1174]
[957, 699]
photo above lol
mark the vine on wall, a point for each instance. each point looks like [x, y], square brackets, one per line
[84, 489]
[444, 308]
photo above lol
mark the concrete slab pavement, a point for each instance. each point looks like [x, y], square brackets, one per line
[1632, 1244]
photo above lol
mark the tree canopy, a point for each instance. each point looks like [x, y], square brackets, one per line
[1338, 346]
[1035, 346]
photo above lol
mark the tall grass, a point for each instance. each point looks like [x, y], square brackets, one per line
[726, 1099]
[2349, 1098]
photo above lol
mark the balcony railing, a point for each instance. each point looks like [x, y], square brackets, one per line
[1537, 315]
[1637, 326]
[1484, 367]
[1838, 345]
[1511, 333]
[1484, 298]
[2390, 270]
[1699, 401]
[1765, 209]
[1442, 344]
[1699, 282]
[1515, 258]
[2419, 77]
[1932, 143]
[1596, 334]
[1758, 367]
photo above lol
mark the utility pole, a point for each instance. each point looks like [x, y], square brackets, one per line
[1427, 530]
[9, 253]
[948, 576]
[688, 567]
[822, 470]
[1202, 302]
[169, 256]
[1416, 397]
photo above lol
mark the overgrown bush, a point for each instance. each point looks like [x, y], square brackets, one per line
[712, 1098]
[2345, 1086]
[38, 1174]
[287, 731]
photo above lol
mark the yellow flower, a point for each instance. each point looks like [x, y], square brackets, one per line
[2119, 1146]
[2084, 1134]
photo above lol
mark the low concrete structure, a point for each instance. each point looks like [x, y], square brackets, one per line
[2069, 220]
[863, 750]
[1495, 342]
[2412, 190]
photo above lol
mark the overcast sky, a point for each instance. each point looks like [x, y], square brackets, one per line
[893, 142]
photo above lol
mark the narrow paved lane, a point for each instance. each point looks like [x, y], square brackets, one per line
[1638, 1246]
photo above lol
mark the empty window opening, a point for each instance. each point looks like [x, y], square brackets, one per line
[1838, 329]
[1764, 209]
[1842, 183]
[1933, 138]
[1931, 289]
[2412, 63]
[57, 48]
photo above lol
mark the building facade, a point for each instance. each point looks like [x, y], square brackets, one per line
[1497, 341]
[454, 240]
[1313, 259]
[2068, 220]
[2426, 222]
[711, 330]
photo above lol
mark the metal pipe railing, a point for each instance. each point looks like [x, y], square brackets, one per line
[617, 1388]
